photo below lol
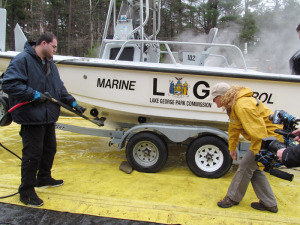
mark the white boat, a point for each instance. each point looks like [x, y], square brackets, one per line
[130, 86]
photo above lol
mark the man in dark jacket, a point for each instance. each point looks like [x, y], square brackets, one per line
[30, 74]
[290, 156]
[295, 59]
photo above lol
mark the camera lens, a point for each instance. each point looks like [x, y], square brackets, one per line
[271, 117]
[275, 145]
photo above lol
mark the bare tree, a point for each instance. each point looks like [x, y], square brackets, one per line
[69, 27]
[91, 25]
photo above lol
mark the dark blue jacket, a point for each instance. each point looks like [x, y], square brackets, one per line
[291, 156]
[25, 75]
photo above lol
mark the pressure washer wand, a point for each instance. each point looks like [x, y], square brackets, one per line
[71, 109]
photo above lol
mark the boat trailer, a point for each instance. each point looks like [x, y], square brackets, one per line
[146, 146]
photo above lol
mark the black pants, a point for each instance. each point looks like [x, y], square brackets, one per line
[39, 148]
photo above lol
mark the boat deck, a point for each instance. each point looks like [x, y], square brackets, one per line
[94, 185]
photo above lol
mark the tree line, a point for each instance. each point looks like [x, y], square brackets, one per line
[79, 24]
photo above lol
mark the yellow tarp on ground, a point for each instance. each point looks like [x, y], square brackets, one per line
[94, 185]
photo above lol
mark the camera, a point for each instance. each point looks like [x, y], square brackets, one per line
[270, 145]
[289, 122]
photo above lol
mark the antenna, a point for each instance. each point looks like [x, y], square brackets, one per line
[2, 29]
[20, 38]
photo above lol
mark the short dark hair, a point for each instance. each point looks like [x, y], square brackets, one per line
[47, 36]
[298, 28]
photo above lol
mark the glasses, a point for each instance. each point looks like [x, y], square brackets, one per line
[53, 46]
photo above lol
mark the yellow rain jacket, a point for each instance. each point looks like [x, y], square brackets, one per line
[250, 119]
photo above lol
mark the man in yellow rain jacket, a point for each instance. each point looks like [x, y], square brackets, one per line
[249, 118]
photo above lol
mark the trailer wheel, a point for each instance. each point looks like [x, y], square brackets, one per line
[208, 157]
[5, 117]
[146, 152]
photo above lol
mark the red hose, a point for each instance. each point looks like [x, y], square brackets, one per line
[18, 105]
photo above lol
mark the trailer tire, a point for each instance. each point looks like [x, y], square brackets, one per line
[146, 152]
[208, 157]
[5, 117]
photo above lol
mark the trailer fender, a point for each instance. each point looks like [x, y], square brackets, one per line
[175, 133]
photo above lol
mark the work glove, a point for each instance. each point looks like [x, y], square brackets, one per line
[78, 108]
[40, 97]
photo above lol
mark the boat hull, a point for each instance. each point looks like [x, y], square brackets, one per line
[124, 95]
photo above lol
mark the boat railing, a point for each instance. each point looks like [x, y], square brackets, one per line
[211, 55]
[167, 44]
